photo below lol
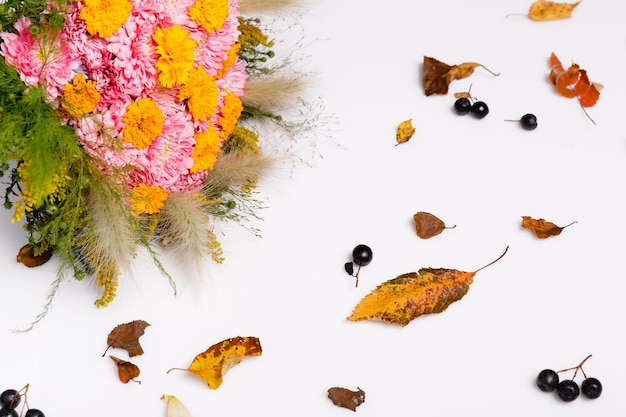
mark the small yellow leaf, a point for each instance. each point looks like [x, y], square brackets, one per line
[405, 131]
[175, 408]
[548, 10]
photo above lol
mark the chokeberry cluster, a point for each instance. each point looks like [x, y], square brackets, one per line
[465, 105]
[567, 389]
[362, 255]
[10, 399]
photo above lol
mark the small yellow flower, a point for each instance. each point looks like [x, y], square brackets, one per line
[231, 110]
[143, 122]
[148, 199]
[105, 17]
[209, 14]
[175, 48]
[201, 93]
[233, 53]
[80, 97]
[205, 150]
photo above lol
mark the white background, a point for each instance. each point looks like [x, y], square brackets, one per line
[546, 304]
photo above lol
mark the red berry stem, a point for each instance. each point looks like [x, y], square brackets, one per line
[577, 368]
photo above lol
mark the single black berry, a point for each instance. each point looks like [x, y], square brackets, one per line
[362, 255]
[33, 412]
[349, 267]
[568, 390]
[8, 412]
[591, 388]
[480, 109]
[528, 121]
[547, 380]
[462, 106]
[10, 398]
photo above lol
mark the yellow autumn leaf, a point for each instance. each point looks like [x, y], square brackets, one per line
[548, 10]
[405, 131]
[175, 408]
[212, 364]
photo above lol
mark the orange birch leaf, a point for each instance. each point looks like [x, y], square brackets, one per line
[126, 336]
[428, 291]
[405, 131]
[212, 364]
[542, 228]
[126, 371]
[428, 225]
[543, 10]
[437, 75]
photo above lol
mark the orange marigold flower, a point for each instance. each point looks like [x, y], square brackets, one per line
[148, 199]
[231, 110]
[143, 122]
[80, 97]
[105, 17]
[209, 14]
[201, 93]
[205, 150]
[175, 48]
[233, 54]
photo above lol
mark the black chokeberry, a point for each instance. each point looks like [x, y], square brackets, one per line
[8, 412]
[462, 106]
[362, 255]
[33, 412]
[568, 390]
[547, 380]
[591, 388]
[528, 121]
[480, 109]
[10, 398]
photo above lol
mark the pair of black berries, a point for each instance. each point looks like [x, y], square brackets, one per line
[479, 109]
[567, 389]
[362, 255]
[10, 399]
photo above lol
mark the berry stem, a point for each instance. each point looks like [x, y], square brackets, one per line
[577, 368]
[357, 276]
[494, 261]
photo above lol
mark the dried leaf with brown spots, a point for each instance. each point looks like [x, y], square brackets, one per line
[343, 397]
[405, 131]
[428, 291]
[543, 10]
[542, 228]
[126, 371]
[126, 336]
[212, 364]
[428, 225]
[437, 75]
[27, 256]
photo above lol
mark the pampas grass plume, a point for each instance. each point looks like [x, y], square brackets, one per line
[273, 92]
[266, 6]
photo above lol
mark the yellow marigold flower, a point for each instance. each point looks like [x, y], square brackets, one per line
[104, 17]
[143, 122]
[209, 14]
[201, 93]
[233, 53]
[231, 110]
[80, 97]
[205, 150]
[175, 48]
[148, 199]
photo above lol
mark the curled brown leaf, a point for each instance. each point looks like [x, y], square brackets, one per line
[343, 397]
[428, 225]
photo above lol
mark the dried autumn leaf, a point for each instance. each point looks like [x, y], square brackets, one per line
[26, 255]
[574, 83]
[343, 397]
[438, 75]
[542, 10]
[126, 336]
[175, 408]
[542, 228]
[212, 364]
[428, 291]
[405, 131]
[127, 371]
[428, 225]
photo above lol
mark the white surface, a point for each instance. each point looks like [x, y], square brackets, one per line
[547, 303]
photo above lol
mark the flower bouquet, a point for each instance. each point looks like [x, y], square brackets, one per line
[126, 124]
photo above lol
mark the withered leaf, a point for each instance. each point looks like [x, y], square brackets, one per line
[126, 371]
[27, 256]
[126, 336]
[212, 364]
[405, 131]
[428, 225]
[175, 408]
[542, 10]
[542, 228]
[402, 299]
[437, 75]
[343, 397]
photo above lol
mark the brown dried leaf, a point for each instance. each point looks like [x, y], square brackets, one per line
[126, 336]
[542, 10]
[126, 371]
[542, 228]
[437, 75]
[26, 255]
[428, 225]
[405, 131]
[343, 397]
